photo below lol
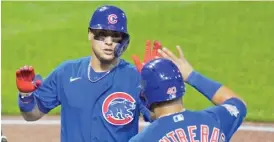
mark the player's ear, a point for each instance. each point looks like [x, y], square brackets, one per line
[90, 36]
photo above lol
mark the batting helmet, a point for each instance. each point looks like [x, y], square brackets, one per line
[114, 19]
[162, 81]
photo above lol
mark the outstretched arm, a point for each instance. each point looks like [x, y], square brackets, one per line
[36, 98]
[32, 115]
[213, 90]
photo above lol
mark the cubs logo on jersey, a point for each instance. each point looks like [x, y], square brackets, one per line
[118, 108]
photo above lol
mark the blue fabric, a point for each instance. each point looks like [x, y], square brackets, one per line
[204, 85]
[26, 104]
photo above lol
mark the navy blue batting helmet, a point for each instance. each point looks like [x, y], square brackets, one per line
[162, 81]
[114, 19]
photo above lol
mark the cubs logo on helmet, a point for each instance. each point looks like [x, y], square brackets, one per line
[112, 19]
[118, 108]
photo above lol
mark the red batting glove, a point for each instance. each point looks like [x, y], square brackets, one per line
[24, 80]
[150, 54]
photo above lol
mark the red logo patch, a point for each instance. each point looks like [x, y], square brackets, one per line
[118, 107]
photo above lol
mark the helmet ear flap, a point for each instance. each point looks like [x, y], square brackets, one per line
[120, 48]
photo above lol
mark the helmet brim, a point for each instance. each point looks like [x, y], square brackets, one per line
[108, 27]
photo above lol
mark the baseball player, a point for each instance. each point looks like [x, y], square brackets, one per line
[98, 94]
[163, 89]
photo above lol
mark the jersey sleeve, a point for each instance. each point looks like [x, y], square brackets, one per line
[230, 115]
[48, 94]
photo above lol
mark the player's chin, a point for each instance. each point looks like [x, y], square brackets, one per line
[107, 58]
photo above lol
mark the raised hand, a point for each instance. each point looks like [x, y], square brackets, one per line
[25, 79]
[183, 65]
[150, 54]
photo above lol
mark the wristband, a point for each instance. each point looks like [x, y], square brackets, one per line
[26, 103]
[204, 85]
[26, 97]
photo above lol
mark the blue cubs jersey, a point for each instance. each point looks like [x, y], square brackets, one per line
[215, 124]
[106, 110]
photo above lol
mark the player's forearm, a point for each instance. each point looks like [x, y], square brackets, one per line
[29, 108]
[213, 90]
[223, 94]
[33, 115]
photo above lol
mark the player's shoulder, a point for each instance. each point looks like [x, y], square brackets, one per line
[137, 138]
[74, 62]
[126, 66]
[200, 116]
[232, 106]
[129, 70]
[144, 134]
[148, 133]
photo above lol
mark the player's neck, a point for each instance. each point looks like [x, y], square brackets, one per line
[169, 109]
[98, 66]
